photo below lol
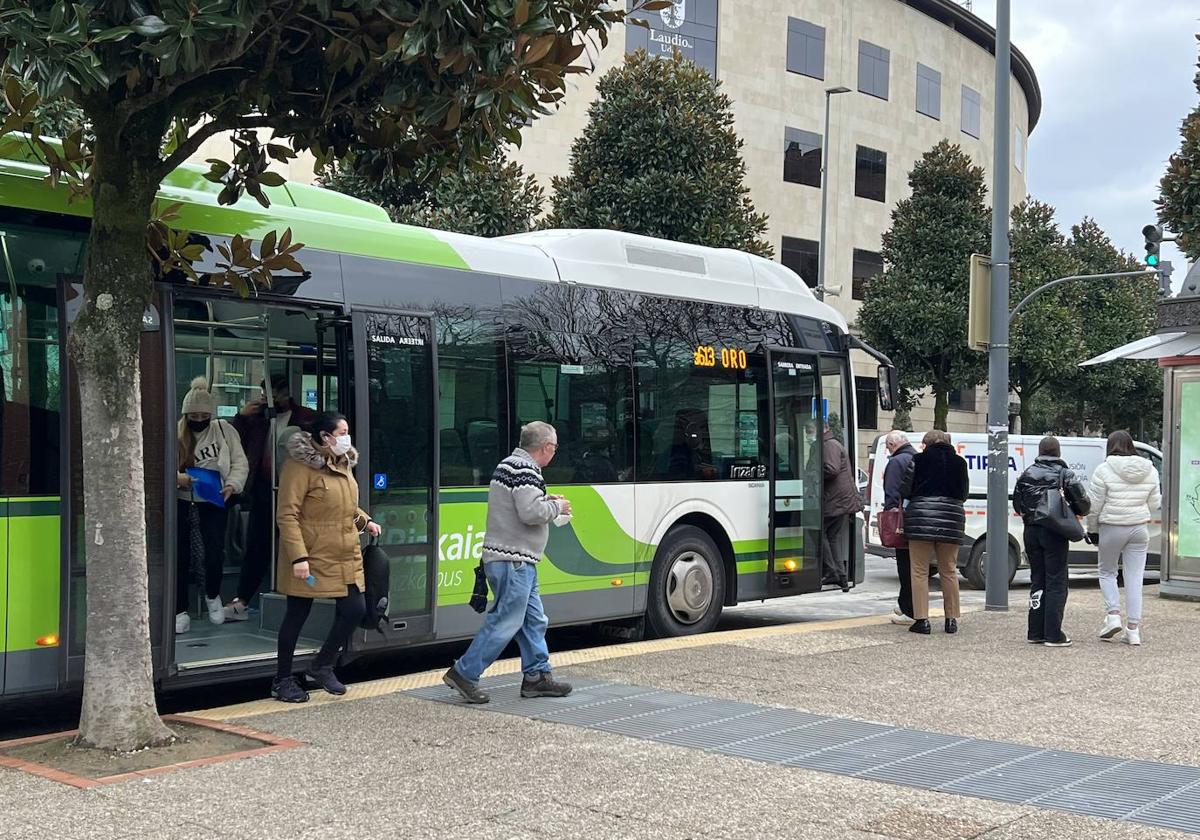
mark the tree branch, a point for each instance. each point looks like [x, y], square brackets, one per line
[190, 146]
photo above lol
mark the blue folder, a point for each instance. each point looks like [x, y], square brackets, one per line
[206, 486]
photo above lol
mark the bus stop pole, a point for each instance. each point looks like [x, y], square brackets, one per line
[996, 570]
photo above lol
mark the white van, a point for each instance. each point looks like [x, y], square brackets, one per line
[1083, 455]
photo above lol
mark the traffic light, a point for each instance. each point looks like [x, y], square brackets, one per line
[1154, 235]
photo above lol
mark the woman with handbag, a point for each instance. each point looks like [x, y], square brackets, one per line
[1124, 492]
[320, 555]
[1049, 498]
[200, 527]
[934, 522]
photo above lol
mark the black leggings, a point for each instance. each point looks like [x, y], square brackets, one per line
[212, 529]
[350, 609]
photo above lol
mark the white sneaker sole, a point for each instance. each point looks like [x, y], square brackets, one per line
[901, 620]
[1109, 633]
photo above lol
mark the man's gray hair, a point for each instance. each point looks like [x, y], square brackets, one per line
[537, 434]
[895, 439]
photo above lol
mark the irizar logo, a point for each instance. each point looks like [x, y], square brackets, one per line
[673, 15]
[759, 471]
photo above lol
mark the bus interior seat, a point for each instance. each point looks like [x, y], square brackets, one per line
[456, 472]
[483, 445]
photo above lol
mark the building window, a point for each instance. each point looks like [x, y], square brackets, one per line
[1018, 149]
[801, 157]
[805, 48]
[970, 112]
[873, 65]
[867, 264]
[866, 398]
[870, 174]
[929, 92]
[801, 256]
[962, 400]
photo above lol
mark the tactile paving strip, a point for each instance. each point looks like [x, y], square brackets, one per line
[1146, 792]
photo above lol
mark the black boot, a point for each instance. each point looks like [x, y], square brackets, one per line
[468, 690]
[323, 676]
[951, 625]
[921, 625]
[544, 686]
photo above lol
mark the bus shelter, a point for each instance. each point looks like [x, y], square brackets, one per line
[1176, 348]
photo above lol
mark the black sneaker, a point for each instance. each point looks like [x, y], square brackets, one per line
[468, 690]
[544, 686]
[324, 677]
[288, 690]
[1065, 641]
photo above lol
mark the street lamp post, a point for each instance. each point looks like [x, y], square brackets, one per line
[825, 147]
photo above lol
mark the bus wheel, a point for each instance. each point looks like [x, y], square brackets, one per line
[687, 584]
[974, 571]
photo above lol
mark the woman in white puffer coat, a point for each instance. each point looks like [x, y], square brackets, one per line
[1124, 492]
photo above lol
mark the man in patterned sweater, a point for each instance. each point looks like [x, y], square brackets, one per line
[518, 526]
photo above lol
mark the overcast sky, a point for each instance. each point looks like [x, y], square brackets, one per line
[1116, 79]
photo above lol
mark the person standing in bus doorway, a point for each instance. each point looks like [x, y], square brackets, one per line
[1124, 492]
[840, 500]
[518, 527]
[204, 444]
[935, 520]
[320, 555]
[1047, 549]
[900, 459]
[253, 424]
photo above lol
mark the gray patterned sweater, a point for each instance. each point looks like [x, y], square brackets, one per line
[519, 513]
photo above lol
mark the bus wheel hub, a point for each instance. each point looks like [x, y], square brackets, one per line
[689, 587]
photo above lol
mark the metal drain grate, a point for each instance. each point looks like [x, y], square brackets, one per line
[1146, 792]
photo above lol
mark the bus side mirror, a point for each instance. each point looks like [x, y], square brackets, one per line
[889, 387]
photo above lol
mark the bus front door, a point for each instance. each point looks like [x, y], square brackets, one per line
[395, 408]
[794, 538]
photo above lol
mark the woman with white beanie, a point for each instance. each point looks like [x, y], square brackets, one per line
[209, 445]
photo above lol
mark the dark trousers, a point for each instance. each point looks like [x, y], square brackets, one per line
[1048, 587]
[833, 563]
[258, 541]
[350, 610]
[212, 530]
[904, 570]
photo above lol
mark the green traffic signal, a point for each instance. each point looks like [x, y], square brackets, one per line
[1152, 259]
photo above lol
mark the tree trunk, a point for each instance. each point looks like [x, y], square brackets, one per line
[119, 710]
[941, 409]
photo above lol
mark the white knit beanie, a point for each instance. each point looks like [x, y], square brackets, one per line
[199, 400]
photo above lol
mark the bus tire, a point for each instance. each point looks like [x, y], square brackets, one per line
[687, 584]
[974, 571]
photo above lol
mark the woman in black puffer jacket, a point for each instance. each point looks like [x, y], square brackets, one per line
[934, 521]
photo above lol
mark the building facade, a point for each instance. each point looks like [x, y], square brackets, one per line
[918, 71]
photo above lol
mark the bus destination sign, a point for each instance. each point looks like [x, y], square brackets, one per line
[708, 356]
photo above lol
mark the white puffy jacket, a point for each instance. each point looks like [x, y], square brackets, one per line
[1124, 491]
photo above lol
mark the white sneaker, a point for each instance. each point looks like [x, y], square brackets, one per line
[235, 610]
[1112, 627]
[216, 612]
[900, 618]
[1133, 637]
[183, 623]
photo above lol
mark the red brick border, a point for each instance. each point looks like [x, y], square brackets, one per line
[272, 744]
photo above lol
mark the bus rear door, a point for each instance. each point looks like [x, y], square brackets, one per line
[395, 407]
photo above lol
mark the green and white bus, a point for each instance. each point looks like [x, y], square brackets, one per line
[690, 388]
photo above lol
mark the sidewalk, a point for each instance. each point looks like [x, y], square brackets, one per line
[399, 765]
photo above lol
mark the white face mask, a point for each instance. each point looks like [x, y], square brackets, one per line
[340, 445]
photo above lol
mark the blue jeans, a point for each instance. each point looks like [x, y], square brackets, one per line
[517, 612]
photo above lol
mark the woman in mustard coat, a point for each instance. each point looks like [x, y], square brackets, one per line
[319, 551]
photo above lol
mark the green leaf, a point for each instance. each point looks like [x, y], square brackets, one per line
[271, 179]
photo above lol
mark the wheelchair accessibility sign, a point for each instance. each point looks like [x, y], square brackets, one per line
[381, 481]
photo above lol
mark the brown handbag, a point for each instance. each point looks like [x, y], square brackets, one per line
[891, 528]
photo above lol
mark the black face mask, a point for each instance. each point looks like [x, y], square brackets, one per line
[198, 426]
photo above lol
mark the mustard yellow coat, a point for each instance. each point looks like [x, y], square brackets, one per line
[319, 518]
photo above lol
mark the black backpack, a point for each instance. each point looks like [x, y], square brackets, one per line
[377, 570]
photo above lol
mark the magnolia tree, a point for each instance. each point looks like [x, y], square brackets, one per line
[379, 83]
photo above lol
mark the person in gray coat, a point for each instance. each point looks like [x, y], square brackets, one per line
[840, 500]
[900, 459]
